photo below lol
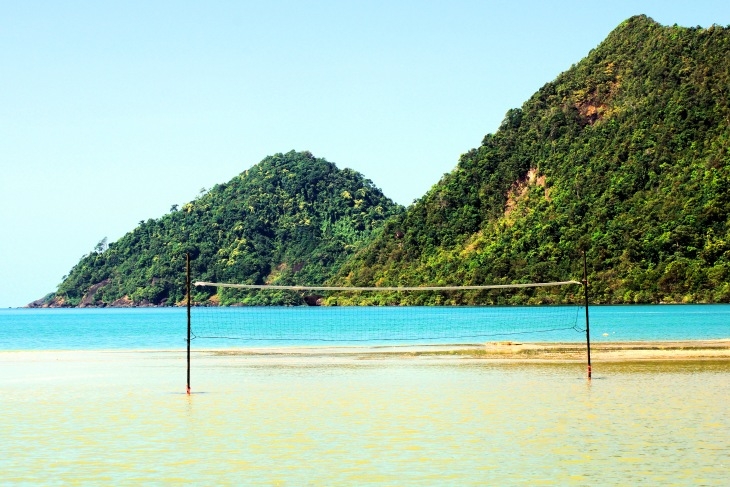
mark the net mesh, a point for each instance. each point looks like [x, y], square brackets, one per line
[300, 314]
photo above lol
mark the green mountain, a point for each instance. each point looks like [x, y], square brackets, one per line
[625, 155]
[291, 219]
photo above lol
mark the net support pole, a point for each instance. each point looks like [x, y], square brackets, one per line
[588, 327]
[187, 285]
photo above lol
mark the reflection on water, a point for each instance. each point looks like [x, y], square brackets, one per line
[117, 418]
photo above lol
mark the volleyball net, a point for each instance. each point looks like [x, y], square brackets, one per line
[350, 315]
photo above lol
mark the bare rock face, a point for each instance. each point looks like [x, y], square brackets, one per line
[313, 300]
[49, 301]
[89, 298]
[123, 302]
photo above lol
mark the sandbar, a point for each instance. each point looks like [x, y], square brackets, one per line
[512, 351]
[498, 351]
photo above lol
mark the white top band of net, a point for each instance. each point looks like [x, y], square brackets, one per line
[405, 288]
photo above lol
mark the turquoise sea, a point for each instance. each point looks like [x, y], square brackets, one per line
[165, 328]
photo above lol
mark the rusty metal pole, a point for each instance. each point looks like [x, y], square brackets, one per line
[588, 326]
[187, 283]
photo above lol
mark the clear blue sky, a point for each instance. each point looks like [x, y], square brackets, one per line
[111, 112]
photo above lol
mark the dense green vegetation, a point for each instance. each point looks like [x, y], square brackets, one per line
[291, 219]
[625, 155]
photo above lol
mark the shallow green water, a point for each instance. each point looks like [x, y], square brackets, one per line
[119, 418]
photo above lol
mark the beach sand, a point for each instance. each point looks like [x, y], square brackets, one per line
[482, 414]
[499, 351]
[507, 351]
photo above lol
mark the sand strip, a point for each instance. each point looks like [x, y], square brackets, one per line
[509, 351]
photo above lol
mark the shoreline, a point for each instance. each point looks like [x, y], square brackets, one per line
[510, 351]
[498, 351]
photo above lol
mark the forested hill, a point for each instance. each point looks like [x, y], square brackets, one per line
[291, 219]
[625, 155]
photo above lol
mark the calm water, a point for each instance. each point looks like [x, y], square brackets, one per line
[117, 418]
[165, 328]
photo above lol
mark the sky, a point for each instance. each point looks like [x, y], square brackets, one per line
[112, 112]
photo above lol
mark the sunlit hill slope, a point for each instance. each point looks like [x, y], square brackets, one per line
[625, 155]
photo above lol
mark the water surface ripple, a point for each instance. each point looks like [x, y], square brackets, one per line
[118, 418]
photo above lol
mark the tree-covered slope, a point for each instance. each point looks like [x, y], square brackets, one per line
[291, 219]
[625, 155]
